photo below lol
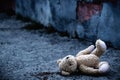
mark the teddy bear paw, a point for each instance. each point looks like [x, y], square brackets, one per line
[104, 67]
[101, 44]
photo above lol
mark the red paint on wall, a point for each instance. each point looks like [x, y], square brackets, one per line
[86, 10]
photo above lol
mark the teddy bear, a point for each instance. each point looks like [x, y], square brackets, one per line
[86, 61]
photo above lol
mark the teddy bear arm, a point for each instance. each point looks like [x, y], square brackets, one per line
[86, 51]
[88, 70]
[100, 48]
[65, 73]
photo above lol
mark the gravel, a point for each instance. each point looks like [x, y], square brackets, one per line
[30, 53]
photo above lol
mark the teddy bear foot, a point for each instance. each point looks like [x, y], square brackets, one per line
[103, 67]
[65, 73]
[101, 45]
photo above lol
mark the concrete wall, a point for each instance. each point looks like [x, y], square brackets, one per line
[61, 14]
[109, 24]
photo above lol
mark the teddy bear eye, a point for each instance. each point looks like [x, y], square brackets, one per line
[67, 57]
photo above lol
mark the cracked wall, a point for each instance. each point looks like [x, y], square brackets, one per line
[102, 23]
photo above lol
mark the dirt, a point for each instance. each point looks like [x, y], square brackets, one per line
[29, 52]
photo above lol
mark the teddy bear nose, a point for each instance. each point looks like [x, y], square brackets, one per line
[67, 57]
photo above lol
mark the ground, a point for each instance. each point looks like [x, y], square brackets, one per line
[28, 53]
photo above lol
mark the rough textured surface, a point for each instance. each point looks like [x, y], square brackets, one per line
[61, 14]
[30, 53]
[109, 24]
[37, 10]
[86, 10]
[48, 12]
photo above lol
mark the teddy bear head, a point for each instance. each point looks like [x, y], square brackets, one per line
[67, 64]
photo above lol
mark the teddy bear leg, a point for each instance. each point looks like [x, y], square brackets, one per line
[65, 73]
[86, 51]
[88, 70]
[103, 67]
[100, 48]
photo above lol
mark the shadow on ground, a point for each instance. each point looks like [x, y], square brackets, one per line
[31, 53]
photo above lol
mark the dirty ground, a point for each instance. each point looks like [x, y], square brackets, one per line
[29, 53]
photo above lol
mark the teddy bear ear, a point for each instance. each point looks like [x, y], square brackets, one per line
[59, 60]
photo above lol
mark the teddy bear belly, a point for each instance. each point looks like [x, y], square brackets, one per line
[88, 60]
